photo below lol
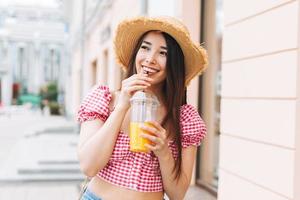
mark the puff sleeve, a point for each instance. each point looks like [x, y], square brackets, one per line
[95, 105]
[193, 128]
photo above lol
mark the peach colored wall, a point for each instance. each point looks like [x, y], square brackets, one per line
[297, 112]
[121, 10]
[191, 17]
[107, 73]
[260, 101]
[189, 12]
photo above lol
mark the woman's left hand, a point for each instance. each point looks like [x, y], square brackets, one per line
[157, 135]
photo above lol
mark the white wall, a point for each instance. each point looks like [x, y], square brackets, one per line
[260, 70]
[158, 7]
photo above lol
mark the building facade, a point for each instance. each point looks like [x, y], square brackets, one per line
[32, 50]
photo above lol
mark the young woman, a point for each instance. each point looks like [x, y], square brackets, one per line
[162, 48]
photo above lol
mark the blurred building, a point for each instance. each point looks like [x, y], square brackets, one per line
[248, 96]
[32, 50]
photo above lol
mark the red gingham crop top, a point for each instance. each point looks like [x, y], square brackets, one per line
[131, 170]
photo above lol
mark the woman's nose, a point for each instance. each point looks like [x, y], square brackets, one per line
[150, 59]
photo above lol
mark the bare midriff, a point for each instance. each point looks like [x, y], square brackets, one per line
[107, 191]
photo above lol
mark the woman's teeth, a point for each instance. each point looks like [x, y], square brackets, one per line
[149, 70]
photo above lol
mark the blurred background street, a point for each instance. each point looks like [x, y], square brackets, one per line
[38, 156]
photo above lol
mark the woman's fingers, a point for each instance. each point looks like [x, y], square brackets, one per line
[136, 80]
[139, 76]
[151, 148]
[155, 129]
[149, 128]
[156, 134]
[139, 82]
[150, 137]
[156, 125]
[153, 139]
[133, 89]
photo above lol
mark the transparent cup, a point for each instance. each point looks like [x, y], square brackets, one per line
[143, 109]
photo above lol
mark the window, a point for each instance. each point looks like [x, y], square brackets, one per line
[52, 64]
[21, 70]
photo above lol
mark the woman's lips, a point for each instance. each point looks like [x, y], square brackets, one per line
[149, 70]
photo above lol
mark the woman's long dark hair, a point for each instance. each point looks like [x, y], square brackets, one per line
[174, 91]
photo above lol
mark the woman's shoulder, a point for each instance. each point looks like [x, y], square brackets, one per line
[192, 126]
[98, 91]
[105, 92]
[187, 111]
[96, 103]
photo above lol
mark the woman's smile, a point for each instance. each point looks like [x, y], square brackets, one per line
[149, 70]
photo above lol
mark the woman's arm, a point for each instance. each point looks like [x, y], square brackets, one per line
[97, 140]
[177, 189]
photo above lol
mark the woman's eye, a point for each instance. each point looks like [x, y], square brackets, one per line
[145, 47]
[163, 53]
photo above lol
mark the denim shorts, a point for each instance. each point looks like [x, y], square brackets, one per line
[89, 195]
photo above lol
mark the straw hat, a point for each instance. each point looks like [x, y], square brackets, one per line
[129, 31]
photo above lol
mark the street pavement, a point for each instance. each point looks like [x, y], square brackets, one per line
[38, 157]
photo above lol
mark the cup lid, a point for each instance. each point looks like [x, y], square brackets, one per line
[141, 96]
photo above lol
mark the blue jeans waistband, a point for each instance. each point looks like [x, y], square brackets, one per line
[89, 195]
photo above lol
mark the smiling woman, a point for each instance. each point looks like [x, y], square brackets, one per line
[161, 59]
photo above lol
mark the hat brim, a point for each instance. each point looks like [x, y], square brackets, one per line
[129, 32]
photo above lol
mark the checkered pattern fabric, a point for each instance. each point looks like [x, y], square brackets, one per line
[137, 171]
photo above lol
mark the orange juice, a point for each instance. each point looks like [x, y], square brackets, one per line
[137, 143]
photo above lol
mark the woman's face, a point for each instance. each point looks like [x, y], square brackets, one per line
[151, 57]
